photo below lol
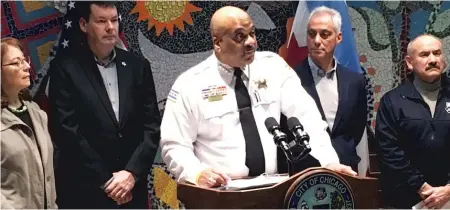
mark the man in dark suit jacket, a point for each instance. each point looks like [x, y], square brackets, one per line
[338, 92]
[104, 118]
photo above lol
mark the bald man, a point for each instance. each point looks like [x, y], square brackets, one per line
[213, 125]
[413, 131]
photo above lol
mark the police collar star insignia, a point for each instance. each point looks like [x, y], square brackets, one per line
[261, 83]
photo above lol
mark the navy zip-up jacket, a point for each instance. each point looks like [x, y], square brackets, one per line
[413, 146]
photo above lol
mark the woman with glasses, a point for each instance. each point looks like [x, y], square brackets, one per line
[26, 148]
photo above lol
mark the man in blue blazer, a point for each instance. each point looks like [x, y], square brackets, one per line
[338, 92]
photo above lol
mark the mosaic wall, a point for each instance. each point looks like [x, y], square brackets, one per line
[174, 36]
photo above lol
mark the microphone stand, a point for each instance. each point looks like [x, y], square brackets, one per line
[287, 152]
[294, 154]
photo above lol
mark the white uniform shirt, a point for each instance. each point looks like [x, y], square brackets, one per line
[198, 133]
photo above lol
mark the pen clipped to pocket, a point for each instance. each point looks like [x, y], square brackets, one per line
[257, 96]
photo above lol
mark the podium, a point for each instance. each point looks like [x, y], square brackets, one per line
[311, 188]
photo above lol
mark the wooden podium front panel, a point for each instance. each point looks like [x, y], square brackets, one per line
[364, 192]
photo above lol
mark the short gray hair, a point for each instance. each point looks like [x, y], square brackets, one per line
[410, 48]
[335, 16]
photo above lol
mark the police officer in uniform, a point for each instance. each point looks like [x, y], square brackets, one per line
[413, 131]
[213, 125]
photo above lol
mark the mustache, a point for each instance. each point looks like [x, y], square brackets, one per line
[251, 47]
[432, 66]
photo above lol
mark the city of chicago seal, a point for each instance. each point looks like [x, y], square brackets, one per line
[322, 191]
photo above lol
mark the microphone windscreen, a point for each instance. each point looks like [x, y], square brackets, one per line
[271, 123]
[292, 123]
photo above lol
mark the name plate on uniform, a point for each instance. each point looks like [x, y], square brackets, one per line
[321, 191]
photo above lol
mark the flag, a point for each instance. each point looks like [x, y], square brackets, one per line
[345, 52]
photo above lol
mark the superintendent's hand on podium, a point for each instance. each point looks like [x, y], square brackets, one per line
[212, 178]
[341, 169]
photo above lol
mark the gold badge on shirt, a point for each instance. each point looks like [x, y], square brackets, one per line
[214, 93]
[261, 84]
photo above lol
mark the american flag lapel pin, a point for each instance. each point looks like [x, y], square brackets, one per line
[124, 64]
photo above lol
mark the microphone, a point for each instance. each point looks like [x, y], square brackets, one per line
[301, 136]
[281, 140]
[279, 137]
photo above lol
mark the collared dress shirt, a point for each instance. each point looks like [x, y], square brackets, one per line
[327, 89]
[108, 70]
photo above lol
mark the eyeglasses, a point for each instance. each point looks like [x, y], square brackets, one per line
[21, 62]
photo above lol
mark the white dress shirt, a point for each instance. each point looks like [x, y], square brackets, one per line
[108, 71]
[199, 132]
[327, 89]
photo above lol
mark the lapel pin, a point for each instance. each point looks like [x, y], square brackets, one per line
[124, 64]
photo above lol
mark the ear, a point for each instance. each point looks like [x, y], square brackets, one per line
[83, 23]
[339, 38]
[216, 44]
[408, 61]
